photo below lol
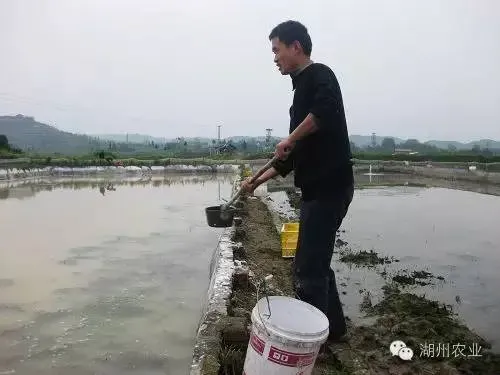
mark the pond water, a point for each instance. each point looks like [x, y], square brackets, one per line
[442, 227]
[103, 276]
[453, 234]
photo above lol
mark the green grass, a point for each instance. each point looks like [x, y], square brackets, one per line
[441, 159]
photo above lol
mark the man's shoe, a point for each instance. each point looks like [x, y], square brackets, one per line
[325, 349]
[325, 353]
[337, 337]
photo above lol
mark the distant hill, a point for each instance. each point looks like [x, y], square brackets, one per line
[448, 144]
[27, 134]
[131, 138]
[144, 138]
[482, 143]
[366, 140]
[359, 140]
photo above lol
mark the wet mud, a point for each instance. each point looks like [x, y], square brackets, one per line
[363, 257]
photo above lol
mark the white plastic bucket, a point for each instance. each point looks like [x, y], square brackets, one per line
[287, 341]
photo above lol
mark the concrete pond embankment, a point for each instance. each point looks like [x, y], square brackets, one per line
[473, 175]
[472, 172]
[466, 172]
[442, 342]
[25, 173]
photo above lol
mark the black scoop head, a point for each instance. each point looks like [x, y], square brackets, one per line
[218, 218]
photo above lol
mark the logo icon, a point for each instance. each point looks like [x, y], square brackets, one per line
[400, 349]
[405, 354]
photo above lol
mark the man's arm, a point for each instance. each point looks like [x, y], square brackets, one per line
[306, 127]
[279, 167]
[267, 175]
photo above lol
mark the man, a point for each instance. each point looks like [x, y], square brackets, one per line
[318, 151]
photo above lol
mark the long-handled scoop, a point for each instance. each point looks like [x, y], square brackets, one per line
[222, 216]
[259, 173]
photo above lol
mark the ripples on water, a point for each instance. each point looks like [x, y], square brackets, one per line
[104, 277]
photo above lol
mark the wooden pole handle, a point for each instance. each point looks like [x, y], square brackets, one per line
[259, 173]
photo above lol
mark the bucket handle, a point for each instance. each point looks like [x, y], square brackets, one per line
[263, 283]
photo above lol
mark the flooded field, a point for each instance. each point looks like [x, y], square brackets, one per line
[451, 234]
[104, 277]
[428, 237]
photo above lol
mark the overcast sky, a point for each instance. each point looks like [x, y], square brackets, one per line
[426, 69]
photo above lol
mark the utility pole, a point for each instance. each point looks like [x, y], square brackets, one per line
[486, 161]
[374, 140]
[268, 136]
[218, 139]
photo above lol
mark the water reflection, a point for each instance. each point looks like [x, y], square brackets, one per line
[29, 188]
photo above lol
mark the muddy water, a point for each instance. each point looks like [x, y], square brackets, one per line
[104, 277]
[449, 233]
[435, 227]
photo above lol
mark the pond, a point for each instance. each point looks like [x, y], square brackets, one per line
[444, 228]
[448, 233]
[104, 276]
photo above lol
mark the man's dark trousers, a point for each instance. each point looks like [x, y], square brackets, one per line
[314, 280]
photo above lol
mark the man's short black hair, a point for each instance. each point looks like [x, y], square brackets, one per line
[290, 31]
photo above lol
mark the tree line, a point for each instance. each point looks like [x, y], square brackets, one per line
[6, 150]
[253, 148]
[389, 146]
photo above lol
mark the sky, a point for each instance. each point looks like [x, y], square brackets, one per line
[425, 69]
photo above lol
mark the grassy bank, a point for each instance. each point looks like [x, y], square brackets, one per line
[31, 160]
[30, 163]
[78, 163]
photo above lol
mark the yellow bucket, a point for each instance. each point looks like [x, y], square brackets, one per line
[289, 236]
[247, 172]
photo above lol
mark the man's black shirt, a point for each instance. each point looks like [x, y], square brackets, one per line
[322, 160]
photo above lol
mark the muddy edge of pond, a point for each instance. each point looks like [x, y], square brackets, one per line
[425, 326]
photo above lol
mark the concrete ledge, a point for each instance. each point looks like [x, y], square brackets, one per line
[208, 339]
[18, 173]
[215, 317]
[446, 173]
